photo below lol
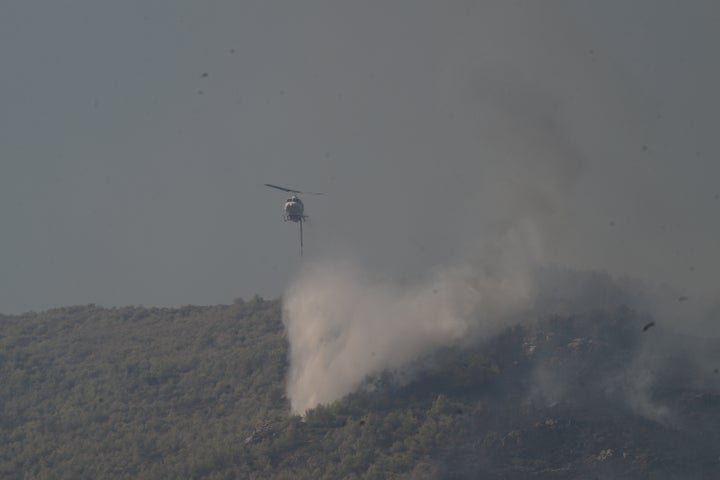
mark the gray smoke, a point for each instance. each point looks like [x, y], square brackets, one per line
[495, 162]
[381, 308]
[345, 324]
[348, 319]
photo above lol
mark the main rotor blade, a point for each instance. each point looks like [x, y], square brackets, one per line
[291, 190]
[282, 188]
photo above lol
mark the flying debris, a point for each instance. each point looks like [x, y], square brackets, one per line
[294, 208]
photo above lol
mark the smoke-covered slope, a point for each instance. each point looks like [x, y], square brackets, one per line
[198, 392]
[563, 396]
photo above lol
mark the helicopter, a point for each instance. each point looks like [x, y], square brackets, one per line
[294, 208]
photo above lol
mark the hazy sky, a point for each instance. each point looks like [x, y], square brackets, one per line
[129, 176]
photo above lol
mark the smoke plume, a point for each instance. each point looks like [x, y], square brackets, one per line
[524, 157]
[344, 324]
[350, 319]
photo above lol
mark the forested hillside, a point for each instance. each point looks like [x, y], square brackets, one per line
[89, 392]
[198, 392]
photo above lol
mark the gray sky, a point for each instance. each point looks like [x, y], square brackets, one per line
[127, 176]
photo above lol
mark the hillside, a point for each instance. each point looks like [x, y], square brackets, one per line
[198, 392]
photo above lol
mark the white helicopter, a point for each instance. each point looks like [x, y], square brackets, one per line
[294, 208]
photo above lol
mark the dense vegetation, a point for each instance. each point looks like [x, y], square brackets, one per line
[138, 393]
[198, 392]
